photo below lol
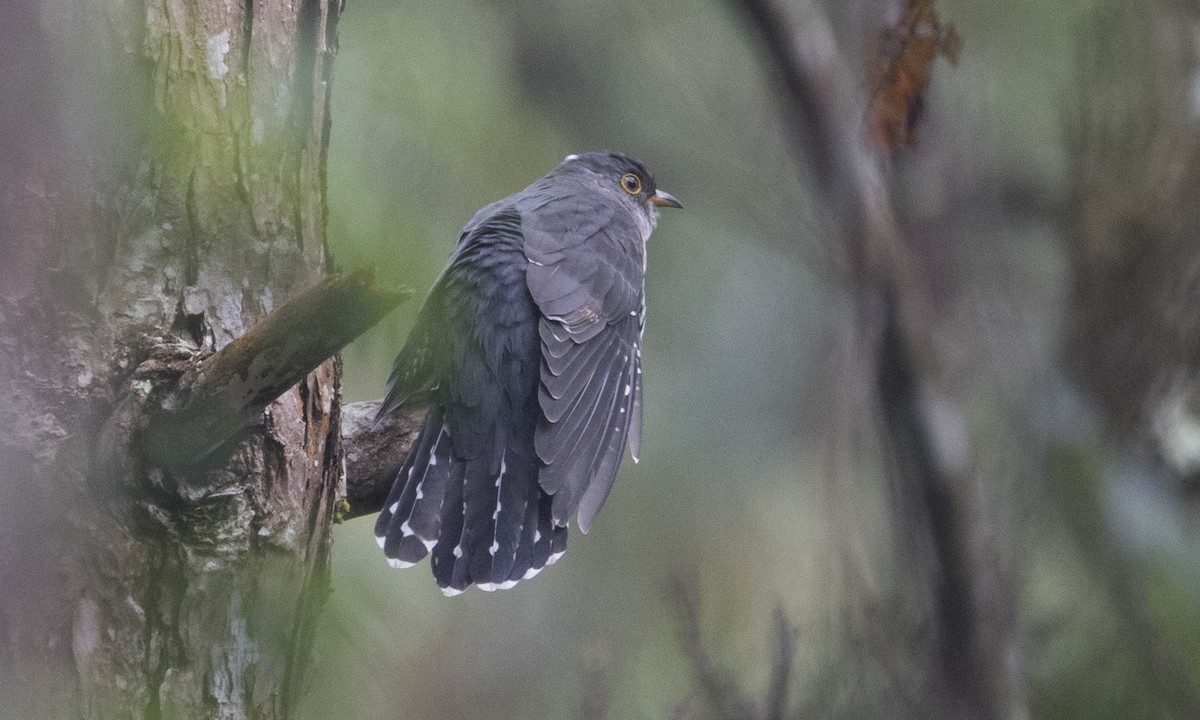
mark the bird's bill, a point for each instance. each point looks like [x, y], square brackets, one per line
[662, 198]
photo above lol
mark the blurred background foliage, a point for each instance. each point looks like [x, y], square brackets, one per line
[440, 108]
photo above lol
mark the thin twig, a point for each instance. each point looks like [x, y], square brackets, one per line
[723, 697]
[781, 667]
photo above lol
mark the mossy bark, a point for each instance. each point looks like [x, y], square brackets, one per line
[162, 188]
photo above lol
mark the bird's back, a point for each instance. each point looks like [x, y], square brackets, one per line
[469, 494]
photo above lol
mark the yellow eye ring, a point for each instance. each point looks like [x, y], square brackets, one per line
[631, 183]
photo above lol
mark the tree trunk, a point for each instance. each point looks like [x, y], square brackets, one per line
[162, 188]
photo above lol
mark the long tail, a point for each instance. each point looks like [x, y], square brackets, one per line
[484, 518]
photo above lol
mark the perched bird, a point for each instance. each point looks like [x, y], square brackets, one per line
[528, 350]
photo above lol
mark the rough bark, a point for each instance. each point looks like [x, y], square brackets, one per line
[219, 396]
[162, 190]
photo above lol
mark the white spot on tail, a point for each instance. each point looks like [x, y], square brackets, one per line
[428, 544]
[571, 157]
[436, 443]
[395, 506]
[406, 529]
[399, 564]
[380, 540]
[537, 536]
[458, 552]
[531, 572]
[450, 592]
[493, 548]
[508, 585]
[628, 389]
[554, 558]
[487, 587]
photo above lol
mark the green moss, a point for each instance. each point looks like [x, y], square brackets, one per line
[341, 511]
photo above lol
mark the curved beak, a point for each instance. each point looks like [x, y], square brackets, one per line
[662, 199]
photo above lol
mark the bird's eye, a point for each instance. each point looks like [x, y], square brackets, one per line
[631, 183]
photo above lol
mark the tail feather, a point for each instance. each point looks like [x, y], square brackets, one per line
[508, 519]
[480, 495]
[483, 520]
[449, 543]
[522, 566]
[544, 534]
[558, 544]
[425, 518]
[400, 500]
[392, 530]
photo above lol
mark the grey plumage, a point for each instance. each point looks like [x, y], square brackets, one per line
[529, 351]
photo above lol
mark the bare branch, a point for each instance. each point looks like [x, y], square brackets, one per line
[723, 696]
[374, 452]
[228, 390]
[892, 322]
[820, 93]
[926, 474]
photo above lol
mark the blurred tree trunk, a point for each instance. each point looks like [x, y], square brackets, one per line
[162, 188]
[1134, 347]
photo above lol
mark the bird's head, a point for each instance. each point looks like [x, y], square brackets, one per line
[623, 178]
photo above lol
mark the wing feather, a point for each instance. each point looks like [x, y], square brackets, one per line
[594, 365]
[585, 433]
[573, 372]
[608, 459]
[635, 411]
[585, 275]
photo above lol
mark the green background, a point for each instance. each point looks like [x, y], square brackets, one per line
[440, 108]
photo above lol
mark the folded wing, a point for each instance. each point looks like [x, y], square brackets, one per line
[585, 275]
